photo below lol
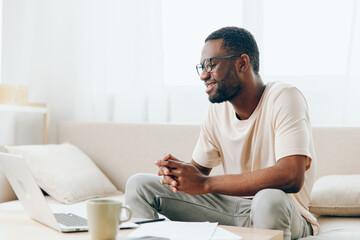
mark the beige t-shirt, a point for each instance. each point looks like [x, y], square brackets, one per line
[278, 127]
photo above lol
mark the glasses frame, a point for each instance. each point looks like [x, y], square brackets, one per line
[202, 67]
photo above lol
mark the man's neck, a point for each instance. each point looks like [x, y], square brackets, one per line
[246, 102]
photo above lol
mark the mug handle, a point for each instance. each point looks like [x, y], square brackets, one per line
[128, 211]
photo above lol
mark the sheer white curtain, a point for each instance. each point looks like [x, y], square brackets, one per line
[121, 57]
[315, 46]
[352, 93]
[89, 60]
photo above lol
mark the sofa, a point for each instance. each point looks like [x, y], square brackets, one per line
[120, 150]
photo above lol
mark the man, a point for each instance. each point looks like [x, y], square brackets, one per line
[260, 133]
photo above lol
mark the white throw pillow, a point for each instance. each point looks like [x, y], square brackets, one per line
[65, 172]
[336, 195]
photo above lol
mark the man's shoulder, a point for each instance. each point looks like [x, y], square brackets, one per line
[279, 86]
[280, 89]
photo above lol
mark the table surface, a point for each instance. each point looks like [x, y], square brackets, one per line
[16, 224]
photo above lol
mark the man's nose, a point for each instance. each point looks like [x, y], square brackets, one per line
[204, 75]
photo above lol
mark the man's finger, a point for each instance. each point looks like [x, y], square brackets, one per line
[168, 163]
[170, 181]
[174, 173]
[171, 157]
[174, 189]
[168, 156]
[163, 171]
[166, 180]
[163, 181]
[160, 172]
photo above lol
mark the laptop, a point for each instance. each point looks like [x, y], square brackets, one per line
[32, 198]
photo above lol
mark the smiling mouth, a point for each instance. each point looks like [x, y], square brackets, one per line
[210, 86]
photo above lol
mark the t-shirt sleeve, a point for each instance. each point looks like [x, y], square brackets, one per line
[291, 124]
[206, 153]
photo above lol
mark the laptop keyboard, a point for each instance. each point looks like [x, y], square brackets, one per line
[70, 220]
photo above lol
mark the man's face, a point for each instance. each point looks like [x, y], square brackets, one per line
[222, 83]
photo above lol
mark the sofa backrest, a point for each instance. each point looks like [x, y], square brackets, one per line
[122, 149]
[337, 150]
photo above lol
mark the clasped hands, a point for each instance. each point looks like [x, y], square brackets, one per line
[181, 176]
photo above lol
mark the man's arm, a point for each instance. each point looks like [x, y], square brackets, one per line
[204, 170]
[286, 175]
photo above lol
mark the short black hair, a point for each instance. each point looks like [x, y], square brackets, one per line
[238, 40]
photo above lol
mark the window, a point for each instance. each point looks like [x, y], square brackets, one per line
[306, 37]
[186, 24]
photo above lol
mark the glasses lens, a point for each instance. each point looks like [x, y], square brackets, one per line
[207, 65]
[199, 69]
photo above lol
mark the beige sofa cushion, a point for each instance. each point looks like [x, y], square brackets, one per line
[336, 195]
[64, 172]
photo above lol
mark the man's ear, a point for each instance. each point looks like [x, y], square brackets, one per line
[239, 65]
[243, 63]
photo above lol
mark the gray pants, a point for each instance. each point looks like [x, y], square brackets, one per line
[270, 208]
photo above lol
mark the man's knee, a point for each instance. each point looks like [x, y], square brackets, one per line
[140, 194]
[140, 184]
[270, 199]
[270, 209]
[135, 181]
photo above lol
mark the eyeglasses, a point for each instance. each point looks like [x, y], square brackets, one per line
[207, 64]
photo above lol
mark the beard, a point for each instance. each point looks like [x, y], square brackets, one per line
[227, 88]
